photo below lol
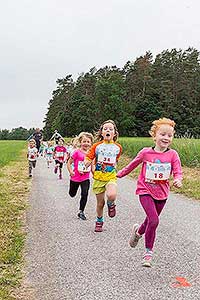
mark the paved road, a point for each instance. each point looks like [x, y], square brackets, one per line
[66, 259]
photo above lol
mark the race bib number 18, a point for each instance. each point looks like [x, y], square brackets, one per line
[157, 171]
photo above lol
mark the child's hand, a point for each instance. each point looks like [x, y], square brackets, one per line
[177, 183]
[118, 175]
[72, 173]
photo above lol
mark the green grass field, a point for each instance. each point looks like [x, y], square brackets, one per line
[10, 151]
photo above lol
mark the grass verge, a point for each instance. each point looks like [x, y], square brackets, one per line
[14, 187]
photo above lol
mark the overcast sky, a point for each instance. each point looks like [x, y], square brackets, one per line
[42, 40]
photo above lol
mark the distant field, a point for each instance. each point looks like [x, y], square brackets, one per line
[10, 151]
[188, 149]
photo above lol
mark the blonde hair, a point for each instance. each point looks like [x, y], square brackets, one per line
[87, 135]
[32, 141]
[157, 123]
[49, 143]
[76, 141]
[99, 136]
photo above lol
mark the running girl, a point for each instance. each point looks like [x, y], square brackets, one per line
[158, 163]
[79, 175]
[48, 152]
[106, 153]
[59, 155]
[32, 155]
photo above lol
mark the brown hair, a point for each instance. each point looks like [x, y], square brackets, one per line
[99, 136]
[157, 123]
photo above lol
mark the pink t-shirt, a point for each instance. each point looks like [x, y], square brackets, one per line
[155, 172]
[60, 153]
[78, 157]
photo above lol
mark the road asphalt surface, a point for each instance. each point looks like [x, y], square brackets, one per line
[66, 259]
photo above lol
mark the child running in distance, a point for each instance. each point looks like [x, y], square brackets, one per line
[32, 155]
[41, 149]
[158, 163]
[48, 152]
[73, 145]
[59, 155]
[79, 175]
[106, 153]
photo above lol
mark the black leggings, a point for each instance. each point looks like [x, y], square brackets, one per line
[73, 188]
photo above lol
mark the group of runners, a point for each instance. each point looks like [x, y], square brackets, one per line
[86, 159]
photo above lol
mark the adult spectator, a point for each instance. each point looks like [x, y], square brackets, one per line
[38, 136]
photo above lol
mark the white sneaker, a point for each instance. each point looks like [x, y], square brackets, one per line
[147, 259]
[134, 238]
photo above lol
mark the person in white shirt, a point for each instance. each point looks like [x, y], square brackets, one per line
[32, 155]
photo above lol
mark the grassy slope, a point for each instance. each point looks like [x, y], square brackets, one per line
[14, 187]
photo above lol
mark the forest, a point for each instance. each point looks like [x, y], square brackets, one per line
[135, 95]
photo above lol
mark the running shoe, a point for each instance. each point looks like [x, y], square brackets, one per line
[147, 259]
[55, 170]
[98, 226]
[60, 176]
[81, 215]
[134, 238]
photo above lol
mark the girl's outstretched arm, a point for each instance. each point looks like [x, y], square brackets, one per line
[131, 166]
[177, 171]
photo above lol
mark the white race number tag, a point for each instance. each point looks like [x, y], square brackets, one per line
[157, 171]
[60, 154]
[107, 158]
[82, 168]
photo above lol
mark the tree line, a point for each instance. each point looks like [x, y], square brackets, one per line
[133, 96]
[19, 133]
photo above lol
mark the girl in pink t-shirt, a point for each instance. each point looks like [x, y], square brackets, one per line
[79, 175]
[158, 163]
[60, 156]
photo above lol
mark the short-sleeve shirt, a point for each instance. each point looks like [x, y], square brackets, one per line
[78, 156]
[106, 155]
[60, 153]
[32, 153]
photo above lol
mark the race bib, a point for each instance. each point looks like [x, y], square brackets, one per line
[60, 154]
[107, 157]
[157, 171]
[82, 168]
[49, 152]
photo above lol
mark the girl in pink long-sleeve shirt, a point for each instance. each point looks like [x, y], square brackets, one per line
[158, 163]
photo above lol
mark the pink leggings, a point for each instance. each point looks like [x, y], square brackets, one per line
[152, 209]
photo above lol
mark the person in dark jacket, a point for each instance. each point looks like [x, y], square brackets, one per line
[38, 137]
